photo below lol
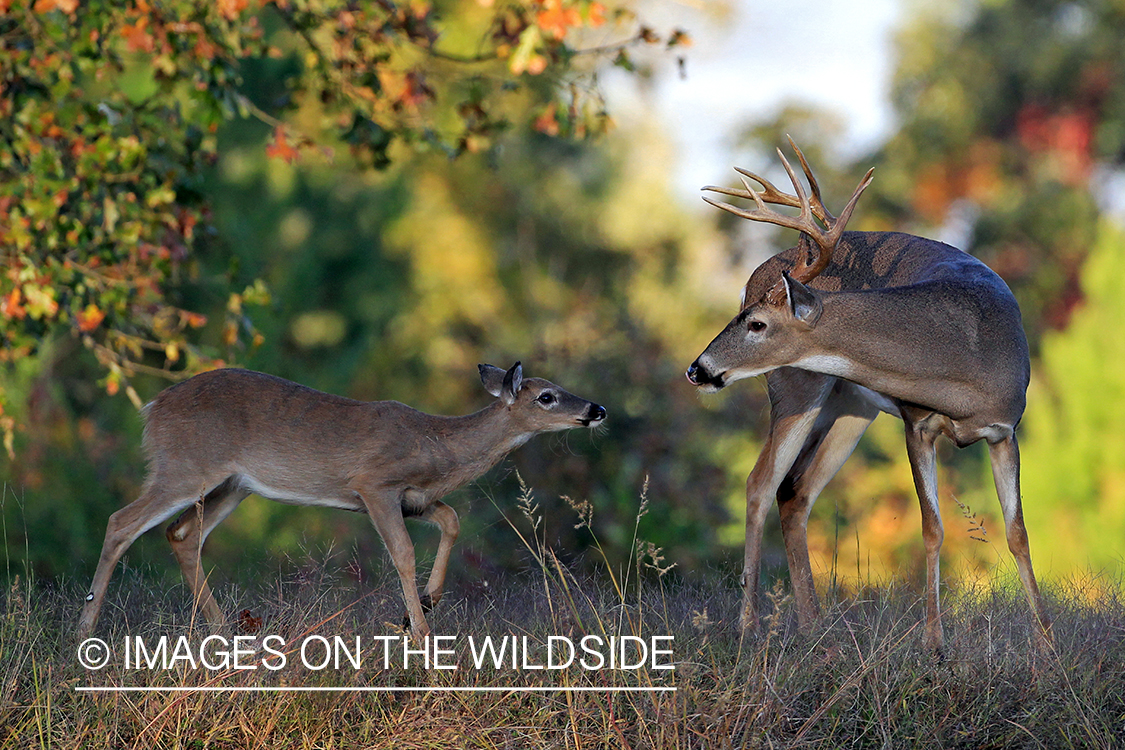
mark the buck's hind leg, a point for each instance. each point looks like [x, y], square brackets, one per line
[920, 437]
[1005, 457]
[188, 533]
[843, 420]
[157, 503]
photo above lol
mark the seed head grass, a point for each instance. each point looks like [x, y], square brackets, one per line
[858, 678]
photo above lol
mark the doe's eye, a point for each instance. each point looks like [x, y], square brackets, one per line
[546, 398]
[757, 326]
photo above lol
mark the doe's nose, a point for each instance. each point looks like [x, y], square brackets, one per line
[693, 373]
[597, 413]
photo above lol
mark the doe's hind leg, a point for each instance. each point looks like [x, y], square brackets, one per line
[157, 503]
[187, 534]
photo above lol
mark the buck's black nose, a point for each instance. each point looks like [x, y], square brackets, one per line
[597, 413]
[699, 375]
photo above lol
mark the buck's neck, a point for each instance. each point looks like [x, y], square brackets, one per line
[916, 346]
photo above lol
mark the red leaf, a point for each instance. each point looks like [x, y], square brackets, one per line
[280, 147]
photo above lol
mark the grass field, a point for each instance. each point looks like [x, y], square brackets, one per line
[858, 679]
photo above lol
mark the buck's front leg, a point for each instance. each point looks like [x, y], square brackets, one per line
[796, 399]
[842, 422]
[386, 514]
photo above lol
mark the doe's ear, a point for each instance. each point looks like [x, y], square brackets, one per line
[513, 381]
[492, 378]
[804, 303]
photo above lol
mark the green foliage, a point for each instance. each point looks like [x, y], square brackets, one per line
[97, 212]
[108, 114]
[1008, 110]
[1074, 446]
[388, 283]
[1012, 115]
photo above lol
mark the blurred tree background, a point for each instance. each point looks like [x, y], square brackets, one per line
[372, 198]
[1010, 144]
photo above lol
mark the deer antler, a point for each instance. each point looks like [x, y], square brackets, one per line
[772, 195]
[826, 238]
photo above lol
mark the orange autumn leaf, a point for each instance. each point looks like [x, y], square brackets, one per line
[280, 147]
[137, 39]
[230, 334]
[90, 318]
[11, 307]
[195, 320]
[416, 91]
[547, 122]
[46, 6]
[595, 14]
[679, 38]
[556, 20]
[231, 9]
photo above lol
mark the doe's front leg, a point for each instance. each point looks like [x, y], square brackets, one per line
[445, 518]
[386, 515]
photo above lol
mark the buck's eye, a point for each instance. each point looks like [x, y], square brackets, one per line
[546, 398]
[757, 326]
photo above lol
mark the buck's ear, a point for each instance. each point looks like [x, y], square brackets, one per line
[804, 303]
[492, 378]
[513, 381]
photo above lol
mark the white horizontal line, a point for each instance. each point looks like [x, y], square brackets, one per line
[313, 689]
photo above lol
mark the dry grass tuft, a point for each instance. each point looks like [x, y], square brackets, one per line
[859, 679]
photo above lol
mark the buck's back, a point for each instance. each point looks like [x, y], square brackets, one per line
[949, 315]
[878, 260]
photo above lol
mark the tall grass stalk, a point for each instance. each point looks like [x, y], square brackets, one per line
[858, 678]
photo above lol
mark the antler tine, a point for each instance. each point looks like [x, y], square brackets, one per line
[846, 214]
[824, 215]
[806, 215]
[755, 215]
[772, 195]
[826, 238]
[767, 215]
[727, 191]
[769, 193]
[805, 270]
[802, 222]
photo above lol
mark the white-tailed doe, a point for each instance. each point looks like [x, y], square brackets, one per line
[217, 437]
[864, 322]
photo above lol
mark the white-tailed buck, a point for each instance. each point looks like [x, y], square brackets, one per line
[216, 438]
[848, 324]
